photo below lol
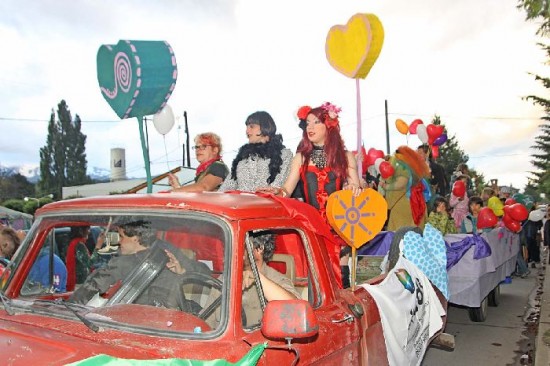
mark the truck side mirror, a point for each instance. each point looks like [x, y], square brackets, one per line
[289, 319]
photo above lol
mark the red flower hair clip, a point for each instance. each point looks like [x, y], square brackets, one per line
[303, 112]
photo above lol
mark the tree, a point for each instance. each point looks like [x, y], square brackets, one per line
[537, 10]
[63, 159]
[450, 154]
[14, 185]
[540, 10]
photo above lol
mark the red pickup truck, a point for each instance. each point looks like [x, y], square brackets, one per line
[40, 322]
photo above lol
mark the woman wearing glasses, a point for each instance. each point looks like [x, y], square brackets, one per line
[211, 171]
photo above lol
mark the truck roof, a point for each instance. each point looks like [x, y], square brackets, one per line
[232, 206]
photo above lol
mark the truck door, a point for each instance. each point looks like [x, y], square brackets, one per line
[338, 341]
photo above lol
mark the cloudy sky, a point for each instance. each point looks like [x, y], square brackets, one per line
[468, 61]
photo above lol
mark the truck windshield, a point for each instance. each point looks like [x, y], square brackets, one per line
[154, 271]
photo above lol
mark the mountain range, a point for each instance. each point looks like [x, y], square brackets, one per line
[32, 172]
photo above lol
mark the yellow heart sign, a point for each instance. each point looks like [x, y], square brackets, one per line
[357, 219]
[353, 49]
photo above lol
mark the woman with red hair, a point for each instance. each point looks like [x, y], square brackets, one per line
[405, 189]
[212, 170]
[322, 165]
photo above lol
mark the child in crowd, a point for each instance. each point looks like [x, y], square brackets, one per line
[459, 204]
[440, 217]
[469, 224]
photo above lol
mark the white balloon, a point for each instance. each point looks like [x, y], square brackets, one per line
[372, 170]
[164, 120]
[422, 133]
[377, 163]
[536, 215]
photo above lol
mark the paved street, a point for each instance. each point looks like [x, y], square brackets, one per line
[507, 337]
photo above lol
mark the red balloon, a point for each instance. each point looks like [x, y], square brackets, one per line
[518, 212]
[386, 170]
[486, 218]
[459, 188]
[509, 201]
[506, 210]
[511, 224]
[413, 125]
[434, 131]
[435, 152]
[372, 155]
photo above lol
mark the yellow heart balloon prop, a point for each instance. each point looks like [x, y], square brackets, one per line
[353, 49]
[357, 219]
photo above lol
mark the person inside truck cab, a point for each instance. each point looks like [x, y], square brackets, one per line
[275, 285]
[136, 240]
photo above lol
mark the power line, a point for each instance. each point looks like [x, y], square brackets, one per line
[47, 120]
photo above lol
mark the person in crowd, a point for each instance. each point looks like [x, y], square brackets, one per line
[263, 161]
[405, 190]
[438, 180]
[41, 276]
[275, 285]
[530, 230]
[462, 169]
[440, 217]
[491, 200]
[469, 224]
[9, 242]
[321, 166]
[211, 171]
[79, 261]
[459, 204]
[136, 240]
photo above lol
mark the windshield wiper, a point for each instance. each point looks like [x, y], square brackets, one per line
[6, 302]
[91, 325]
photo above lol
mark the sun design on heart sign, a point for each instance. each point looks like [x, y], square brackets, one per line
[357, 219]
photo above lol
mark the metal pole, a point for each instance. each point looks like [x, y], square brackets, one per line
[387, 128]
[145, 151]
[187, 139]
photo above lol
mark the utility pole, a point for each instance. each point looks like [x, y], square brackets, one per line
[187, 146]
[387, 128]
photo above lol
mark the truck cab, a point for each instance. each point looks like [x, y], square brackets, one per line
[133, 306]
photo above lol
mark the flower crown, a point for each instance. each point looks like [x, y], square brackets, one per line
[331, 110]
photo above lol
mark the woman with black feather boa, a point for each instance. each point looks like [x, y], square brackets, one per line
[264, 161]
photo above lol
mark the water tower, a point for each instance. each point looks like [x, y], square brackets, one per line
[118, 164]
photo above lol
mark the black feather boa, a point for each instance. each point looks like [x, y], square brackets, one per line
[269, 150]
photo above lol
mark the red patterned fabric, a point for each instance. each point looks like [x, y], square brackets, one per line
[70, 262]
[203, 166]
[418, 205]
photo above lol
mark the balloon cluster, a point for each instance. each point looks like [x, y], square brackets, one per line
[431, 134]
[376, 158]
[514, 214]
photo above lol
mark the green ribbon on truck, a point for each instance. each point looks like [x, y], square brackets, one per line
[250, 359]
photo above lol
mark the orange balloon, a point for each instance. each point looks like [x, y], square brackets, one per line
[402, 126]
[357, 219]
